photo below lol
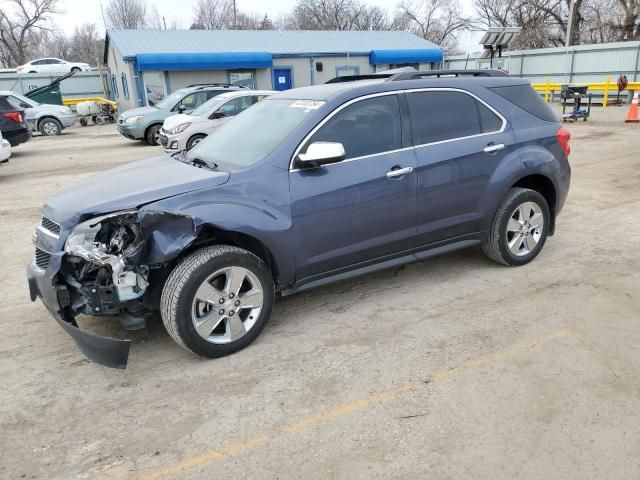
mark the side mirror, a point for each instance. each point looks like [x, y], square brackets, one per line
[321, 153]
[182, 108]
[215, 115]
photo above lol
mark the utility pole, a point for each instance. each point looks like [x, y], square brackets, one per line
[235, 15]
[571, 23]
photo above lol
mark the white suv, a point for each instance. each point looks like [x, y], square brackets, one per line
[183, 131]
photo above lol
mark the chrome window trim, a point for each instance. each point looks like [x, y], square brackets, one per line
[396, 92]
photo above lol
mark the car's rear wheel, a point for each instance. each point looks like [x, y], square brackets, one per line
[75, 69]
[50, 126]
[519, 229]
[152, 137]
[196, 139]
[217, 300]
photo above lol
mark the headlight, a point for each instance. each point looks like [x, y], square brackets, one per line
[134, 119]
[102, 238]
[179, 129]
[66, 110]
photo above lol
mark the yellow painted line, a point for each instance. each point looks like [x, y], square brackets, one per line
[237, 448]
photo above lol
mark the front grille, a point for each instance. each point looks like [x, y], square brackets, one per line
[50, 225]
[42, 259]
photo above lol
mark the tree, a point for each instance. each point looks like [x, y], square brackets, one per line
[326, 14]
[372, 18]
[87, 45]
[213, 14]
[22, 24]
[127, 14]
[438, 21]
[266, 23]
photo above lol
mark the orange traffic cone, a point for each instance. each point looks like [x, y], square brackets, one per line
[632, 116]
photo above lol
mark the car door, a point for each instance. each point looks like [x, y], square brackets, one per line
[460, 141]
[364, 207]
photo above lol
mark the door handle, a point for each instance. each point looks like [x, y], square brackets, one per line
[494, 148]
[398, 172]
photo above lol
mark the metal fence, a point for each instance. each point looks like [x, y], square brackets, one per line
[578, 64]
[82, 84]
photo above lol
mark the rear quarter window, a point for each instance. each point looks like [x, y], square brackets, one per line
[527, 99]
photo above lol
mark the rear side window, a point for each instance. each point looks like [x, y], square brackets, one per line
[364, 128]
[527, 99]
[489, 121]
[442, 116]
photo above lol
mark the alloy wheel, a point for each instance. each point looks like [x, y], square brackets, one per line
[525, 228]
[227, 305]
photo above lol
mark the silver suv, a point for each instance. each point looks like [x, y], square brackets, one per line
[48, 119]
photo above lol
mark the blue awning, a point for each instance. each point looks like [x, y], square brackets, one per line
[203, 60]
[426, 55]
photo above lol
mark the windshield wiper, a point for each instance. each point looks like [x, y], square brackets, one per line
[198, 162]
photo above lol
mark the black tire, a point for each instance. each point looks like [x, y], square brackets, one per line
[84, 122]
[495, 245]
[75, 69]
[151, 135]
[180, 289]
[194, 140]
[50, 126]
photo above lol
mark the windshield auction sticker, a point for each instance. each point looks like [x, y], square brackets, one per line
[307, 104]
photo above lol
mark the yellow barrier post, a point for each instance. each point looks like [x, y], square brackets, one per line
[547, 88]
[605, 100]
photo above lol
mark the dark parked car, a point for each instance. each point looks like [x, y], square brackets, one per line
[333, 181]
[12, 123]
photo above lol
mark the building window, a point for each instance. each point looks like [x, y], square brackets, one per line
[243, 78]
[402, 65]
[114, 85]
[125, 86]
[345, 70]
[154, 87]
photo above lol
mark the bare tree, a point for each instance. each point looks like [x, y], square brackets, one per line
[127, 14]
[372, 18]
[22, 23]
[87, 45]
[326, 14]
[438, 21]
[213, 14]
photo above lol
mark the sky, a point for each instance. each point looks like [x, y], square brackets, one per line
[76, 12]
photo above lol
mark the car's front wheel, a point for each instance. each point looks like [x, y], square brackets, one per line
[217, 300]
[152, 136]
[196, 139]
[50, 126]
[519, 229]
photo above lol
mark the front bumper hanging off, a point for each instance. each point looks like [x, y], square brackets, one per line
[107, 351]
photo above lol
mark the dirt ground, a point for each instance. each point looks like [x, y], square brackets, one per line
[451, 368]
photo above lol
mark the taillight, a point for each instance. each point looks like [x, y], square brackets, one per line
[564, 135]
[15, 116]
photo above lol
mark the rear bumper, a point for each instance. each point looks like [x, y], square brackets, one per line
[106, 351]
[16, 137]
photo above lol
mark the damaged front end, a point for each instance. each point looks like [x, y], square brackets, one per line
[112, 265]
[101, 267]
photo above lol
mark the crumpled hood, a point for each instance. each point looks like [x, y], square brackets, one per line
[176, 120]
[127, 187]
[138, 111]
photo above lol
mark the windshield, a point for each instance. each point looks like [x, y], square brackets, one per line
[255, 133]
[168, 102]
[207, 106]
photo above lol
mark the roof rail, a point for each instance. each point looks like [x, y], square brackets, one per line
[446, 73]
[368, 76]
[215, 85]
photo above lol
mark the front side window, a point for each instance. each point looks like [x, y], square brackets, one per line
[439, 116]
[192, 101]
[366, 127]
[235, 106]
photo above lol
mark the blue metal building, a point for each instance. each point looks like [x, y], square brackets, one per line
[148, 64]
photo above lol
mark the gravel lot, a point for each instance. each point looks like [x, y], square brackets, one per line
[453, 367]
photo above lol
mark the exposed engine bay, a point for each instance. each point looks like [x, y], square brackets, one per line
[101, 267]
